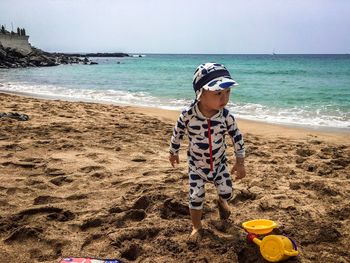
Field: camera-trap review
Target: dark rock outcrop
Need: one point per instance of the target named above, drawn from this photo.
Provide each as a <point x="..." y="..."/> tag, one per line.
<point x="13" y="58"/>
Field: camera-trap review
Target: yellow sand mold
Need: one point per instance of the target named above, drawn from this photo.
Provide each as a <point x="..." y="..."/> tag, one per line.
<point x="259" y="226"/>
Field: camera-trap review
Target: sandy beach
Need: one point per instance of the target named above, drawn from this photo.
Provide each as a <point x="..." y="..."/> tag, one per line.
<point x="87" y="179"/>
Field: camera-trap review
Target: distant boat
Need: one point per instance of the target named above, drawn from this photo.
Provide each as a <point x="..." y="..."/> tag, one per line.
<point x="138" y="56"/>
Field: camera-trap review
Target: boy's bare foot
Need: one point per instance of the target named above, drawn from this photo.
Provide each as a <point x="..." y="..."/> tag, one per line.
<point x="224" y="210"/>
<point x="196" y="236"/>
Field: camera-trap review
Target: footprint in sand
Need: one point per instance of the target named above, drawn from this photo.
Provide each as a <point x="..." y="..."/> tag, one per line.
<point x="39" y="143"/>
<point x="150" y="173"/>
<point x="77" y="197"/>
<point x="33" y="160"/>
<point x="132" y="233"/>
<point x="142" y="203"/>
<point x="139" y="159"/>
<point x="132" y="252"/>
<point x="54" y="172"/>
<point x="61" y="217"/>
<point x="13" y="147"/>
<point x="92" y="240"/>
<point x="91" y="223"/>
<point x="58" y="181"/>
<point x="92" y="168"/>
<point x="39" y="210"/>
<point x="173" y="209"/>
<point x="37" y="184"/>
<point x="46" y="199"/>
<point x="342" y="213"/>
<point x="93" y="155"/>
<point x="134" y="215"/>
<point x="15" y="164"/>
<point x="340" y="163"/>
<point x="115" y="209"/>
<point x="11" y="190"/>
<point x="101" y="175"/>
<point x="24" y="233"/>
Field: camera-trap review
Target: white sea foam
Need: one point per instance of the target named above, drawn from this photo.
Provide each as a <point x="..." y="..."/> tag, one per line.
<point x="304" y="117"/>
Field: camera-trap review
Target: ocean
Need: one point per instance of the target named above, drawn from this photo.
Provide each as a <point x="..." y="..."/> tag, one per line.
<point x="311" y="91"/>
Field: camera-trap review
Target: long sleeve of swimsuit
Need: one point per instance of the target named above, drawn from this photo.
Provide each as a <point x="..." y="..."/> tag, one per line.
<point x="178" y="134"/>
<point x="236" y="136"/>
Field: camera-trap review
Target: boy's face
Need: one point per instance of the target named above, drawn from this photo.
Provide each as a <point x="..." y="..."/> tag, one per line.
<point x="215" y="100"/>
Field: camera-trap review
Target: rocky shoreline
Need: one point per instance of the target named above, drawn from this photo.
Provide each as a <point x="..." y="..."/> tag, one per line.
<point x="12" y="58"/>
<point x="17" y="52"/>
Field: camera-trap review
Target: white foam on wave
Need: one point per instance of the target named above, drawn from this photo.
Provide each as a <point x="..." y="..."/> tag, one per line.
<point x="304" y="117"/>
<point x="91" y="95"/>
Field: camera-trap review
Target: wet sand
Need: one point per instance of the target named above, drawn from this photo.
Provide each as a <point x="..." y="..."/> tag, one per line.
<point x="86" y="179"/>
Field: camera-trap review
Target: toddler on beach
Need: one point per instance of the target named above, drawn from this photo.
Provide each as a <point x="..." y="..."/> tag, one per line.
<point x="206" y="121"/>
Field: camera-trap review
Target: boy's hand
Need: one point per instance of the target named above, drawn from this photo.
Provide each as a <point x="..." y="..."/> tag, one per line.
<point x="239" y="168"/>
<point x="174" y="159"/>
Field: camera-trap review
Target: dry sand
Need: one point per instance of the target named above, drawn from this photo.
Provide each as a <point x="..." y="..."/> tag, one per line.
<point x="85" y="179"/>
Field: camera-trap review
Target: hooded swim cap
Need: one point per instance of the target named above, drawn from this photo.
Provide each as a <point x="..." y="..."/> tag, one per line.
<point x="211" y="76"/>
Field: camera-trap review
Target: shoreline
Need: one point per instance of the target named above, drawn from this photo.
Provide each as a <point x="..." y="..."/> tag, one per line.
<point x="268" y="127"/>
<point x="258" y="128"/>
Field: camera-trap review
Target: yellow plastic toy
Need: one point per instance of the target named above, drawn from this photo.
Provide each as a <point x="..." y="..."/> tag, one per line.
<point x="273" y="248"/>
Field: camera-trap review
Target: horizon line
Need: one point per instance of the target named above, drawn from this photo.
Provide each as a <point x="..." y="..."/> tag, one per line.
<point x="166" y="53"/>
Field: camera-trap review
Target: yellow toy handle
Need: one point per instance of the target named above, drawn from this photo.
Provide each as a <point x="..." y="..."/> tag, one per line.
<point x="291" y="253"/>
<point x="257" y="241"/>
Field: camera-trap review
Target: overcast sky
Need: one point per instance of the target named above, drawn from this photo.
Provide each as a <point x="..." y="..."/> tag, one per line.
<point x="183" y="26"/>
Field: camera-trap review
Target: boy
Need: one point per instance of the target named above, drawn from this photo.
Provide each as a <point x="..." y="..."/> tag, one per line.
<point x="206" y="121"/>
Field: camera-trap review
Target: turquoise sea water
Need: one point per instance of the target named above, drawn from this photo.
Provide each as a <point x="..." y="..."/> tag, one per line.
<point x="302" y="90"/>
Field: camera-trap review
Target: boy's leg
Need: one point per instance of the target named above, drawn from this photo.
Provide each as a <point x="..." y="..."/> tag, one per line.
<point x="196" y="216"/>
<point x="224" y="188"/>
<point x="197" y="231"/>
<point x="224" y="209"/>
<point x="196" y="196"/>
